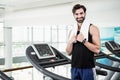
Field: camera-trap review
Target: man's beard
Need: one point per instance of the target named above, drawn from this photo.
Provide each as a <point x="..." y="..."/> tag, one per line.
<point x="81" y="20"/>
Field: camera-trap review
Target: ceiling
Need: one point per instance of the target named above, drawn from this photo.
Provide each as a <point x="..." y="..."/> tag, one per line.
<point x="16" y="5"/>
<point x="25" y="4"/>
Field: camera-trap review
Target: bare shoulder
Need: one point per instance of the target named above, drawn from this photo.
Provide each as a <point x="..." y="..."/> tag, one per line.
<point x="94" y="29"/>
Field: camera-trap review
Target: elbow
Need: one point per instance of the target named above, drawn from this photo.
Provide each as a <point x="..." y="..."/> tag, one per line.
<point x="97" y="51"/>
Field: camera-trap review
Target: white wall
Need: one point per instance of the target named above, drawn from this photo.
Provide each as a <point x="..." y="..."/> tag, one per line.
<point x="104" y="12"/>
<point x="101" y="13"/>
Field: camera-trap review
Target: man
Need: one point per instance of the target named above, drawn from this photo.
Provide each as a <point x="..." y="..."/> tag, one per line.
<point x="82" y="50"/>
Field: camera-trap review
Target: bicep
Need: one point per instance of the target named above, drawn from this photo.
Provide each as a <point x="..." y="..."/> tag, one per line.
<point x="95" y="36"/>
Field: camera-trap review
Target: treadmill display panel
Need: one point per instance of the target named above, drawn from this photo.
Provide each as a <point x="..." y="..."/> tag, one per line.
<point x="43" y="51"/>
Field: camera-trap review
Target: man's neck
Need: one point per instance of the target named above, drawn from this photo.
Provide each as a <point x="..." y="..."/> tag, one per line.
<point x="79" y="25"/>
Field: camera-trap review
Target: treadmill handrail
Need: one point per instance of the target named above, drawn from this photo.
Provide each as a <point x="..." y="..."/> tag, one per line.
<point x="108" y="67"/>
<point x="108" y="56"/>
<point x="101" y="72"/>
<point x="51" y="62"/>
<point x="4" y="76"/>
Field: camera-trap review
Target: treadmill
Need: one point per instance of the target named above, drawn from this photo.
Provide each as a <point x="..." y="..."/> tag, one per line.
<point x="114" y="69"/>
<point x="114" y="48"/>
<point x="43" y="56"/>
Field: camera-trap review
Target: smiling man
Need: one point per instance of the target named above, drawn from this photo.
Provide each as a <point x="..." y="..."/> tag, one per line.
<point x="81" y="47"/>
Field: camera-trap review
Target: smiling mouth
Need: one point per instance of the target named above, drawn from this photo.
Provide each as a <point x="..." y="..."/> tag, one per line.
<point x="80" y="18"/>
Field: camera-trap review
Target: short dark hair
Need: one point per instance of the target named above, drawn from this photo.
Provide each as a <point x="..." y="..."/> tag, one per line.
<point x="78" y="6"/>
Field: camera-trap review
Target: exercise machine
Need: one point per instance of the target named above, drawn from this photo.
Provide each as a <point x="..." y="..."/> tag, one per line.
<point x="43" y="56"/>
<point x="113" y="56"/>
<point x="114" y="48"/>
<point x="111" y="69"/>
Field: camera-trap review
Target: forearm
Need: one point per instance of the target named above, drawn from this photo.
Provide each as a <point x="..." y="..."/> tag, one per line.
<point x="92" y="47"/>
<point x="69" y="48"/>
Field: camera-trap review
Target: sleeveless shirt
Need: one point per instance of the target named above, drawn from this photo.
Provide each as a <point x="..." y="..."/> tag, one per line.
<point x="82" y="57"/>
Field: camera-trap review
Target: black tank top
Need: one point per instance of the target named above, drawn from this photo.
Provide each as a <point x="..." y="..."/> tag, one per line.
<point x="82" y="57"/>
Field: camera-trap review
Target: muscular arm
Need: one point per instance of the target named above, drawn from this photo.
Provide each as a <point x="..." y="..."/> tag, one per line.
<point x="70" y="44"/>
<point x="95" y="46"/>
<point x="69" y="48"/>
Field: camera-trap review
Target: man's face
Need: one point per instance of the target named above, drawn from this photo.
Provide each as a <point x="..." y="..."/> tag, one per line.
<point x="79" y="15"/>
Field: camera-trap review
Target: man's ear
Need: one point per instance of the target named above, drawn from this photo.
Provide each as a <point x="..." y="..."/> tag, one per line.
<point x="85" y="13"/>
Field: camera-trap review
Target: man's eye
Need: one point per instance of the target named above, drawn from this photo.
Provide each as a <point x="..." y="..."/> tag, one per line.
<point x="76" y="14"/>
<point x="81" y="13"/>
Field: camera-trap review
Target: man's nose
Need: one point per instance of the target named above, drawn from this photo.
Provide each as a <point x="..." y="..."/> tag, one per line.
<point x="80" y="15"/>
